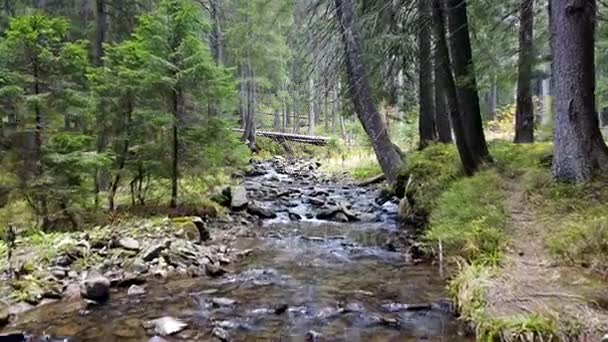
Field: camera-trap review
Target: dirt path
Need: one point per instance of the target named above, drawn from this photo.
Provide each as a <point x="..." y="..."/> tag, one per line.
<point x="531" y="284"/>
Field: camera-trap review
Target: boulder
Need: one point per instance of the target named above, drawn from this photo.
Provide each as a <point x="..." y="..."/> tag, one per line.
<point x="95" y="287"/>
<point x="341" y="217"/>
<point x="260" y="211"/>
<point x="238" y="198"/>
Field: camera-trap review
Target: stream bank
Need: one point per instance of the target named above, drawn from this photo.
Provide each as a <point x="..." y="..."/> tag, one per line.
<point x="300" y="256"/>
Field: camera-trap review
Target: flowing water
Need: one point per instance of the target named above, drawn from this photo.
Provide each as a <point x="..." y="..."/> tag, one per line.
<point x="307" y="280"/>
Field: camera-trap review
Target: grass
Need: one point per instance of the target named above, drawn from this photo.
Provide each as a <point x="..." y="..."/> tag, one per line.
<point x="469" y="218"/>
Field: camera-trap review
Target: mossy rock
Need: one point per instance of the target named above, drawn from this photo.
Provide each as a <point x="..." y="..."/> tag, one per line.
<point x="186" y="227"/>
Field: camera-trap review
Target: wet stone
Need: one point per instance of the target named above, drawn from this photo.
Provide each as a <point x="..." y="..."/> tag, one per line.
<point x="166" y="326"/>
<point x="221" y="334"/>
<point x="129" y="244"/>
<point x="136" y="290"/>
<point x="95" y="287"/>
<point x="4" y="316"/>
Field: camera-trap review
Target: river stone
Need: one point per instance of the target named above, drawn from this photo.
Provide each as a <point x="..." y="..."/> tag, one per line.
<point x="222" y="302"/>
<point x="203" y="232"/>
<point x="129" y="244"/>
<point x="238" y="198"/>
<point x="4" y="316"/>
<point x="261" y="212"/>
<point x="157" y="339"/>
<point x="221" y="334"/>
<point x="341" y="217"/>
<point x="605" y="338"/>
<point x="13" y="337"/>
<point x="136" y="290"/>
<point x="152" y="252"/>
<point x="167" y="326"/>
<point x="19" y="308"/>
<point x="95" y="287"/>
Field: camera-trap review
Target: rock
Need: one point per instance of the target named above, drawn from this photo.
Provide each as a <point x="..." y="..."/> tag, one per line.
<point x="157" y="339"/>
<point x="260" y="211"/>
<point x="294" y="216"/>
<point x="129" y="279"/>
<point x="5" y="317"/>
<point x="19" y="308"/>
<point x="313" y="336"/>
<point x="203" y="232"/>
<point x="139" y="266"/>
<point x="95" y="287"/>
<point x="328" y="214"/>
<point x="71" y="291"/>
<point x="341" y="217"/>
<point x="152" y="252"/>
<point x="214" y="270"/>
<point x="167" y="326"/>
<point x="605" y="338"/>
<point x="129" y="244"/>
<point x="59" y="272"/>
<point x="222" y="302"/>
<point x="238" y="198"/>
<point x="136" y="290"/>
<point x="281" y="309"/>
<point x="221" y="334"/>
<point x="316" y="202"/>
<point x="13" y="337"/>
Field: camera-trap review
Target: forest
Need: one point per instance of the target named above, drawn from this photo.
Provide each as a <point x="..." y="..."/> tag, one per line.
<point x="228" y="170"/>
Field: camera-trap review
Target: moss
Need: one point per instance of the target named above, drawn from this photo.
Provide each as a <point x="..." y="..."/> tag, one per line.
<point x="470" y="218"/>
<point x="431" y="171"/>
<point x="366" y="170"/>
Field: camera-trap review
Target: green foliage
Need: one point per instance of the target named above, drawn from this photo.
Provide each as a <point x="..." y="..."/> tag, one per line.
<point x="470" y="217"/>
<point x="520" y="158"/>
<point x="366" y="170"/>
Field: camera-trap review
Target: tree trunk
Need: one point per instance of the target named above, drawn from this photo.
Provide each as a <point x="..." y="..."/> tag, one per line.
<point x="470" y="165"/>
<point x="176" y="108"/>
<point x="493" y="101"/>
<point x="122" y="158"/>
<point x="217" y="34"/>
<point x="311" y="107"/>
<point x="464" y="72"/>
<point x="524" y="114"/>
<point x="442" y="116"/>
<point x="249" y="136"/>
<point x="426" y="122"/>
<point x="101" y="28"/>
<point x="580" y="151"/>
<point x="388" y="155"/>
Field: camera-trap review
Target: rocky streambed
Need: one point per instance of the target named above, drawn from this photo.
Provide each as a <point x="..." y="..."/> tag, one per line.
<point x="300" y="257"/>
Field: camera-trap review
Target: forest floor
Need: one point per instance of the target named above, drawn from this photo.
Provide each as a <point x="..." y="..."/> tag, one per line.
<point x="531" y="283"/>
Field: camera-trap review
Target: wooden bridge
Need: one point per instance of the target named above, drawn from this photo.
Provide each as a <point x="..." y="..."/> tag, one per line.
<point x="303" y="139"/>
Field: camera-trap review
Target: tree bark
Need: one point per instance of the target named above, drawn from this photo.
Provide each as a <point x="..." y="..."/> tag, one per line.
<point x="176" y="108"/>
<point x="311" y="107"/>
<point x="524" y="114"/>
<point x="464" y="71"/>
<point x="470" y="164"/>
<point x="217" y="34"/>
<point x="442" y="117"/>
<point x="580" y="151"/>
<point x="101" y="29"/>
<point x="387" y="153"/>
<point x="426" y="122"/>
<point x="122" y="158"/>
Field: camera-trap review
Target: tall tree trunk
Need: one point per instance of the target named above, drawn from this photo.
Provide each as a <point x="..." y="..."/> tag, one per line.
<point x="122" y="158"/>
<point x="524" y="114"/>
<point x="243" y="97"/>
<point x="580" y="151"/>
<point x="470" y="165"/>
<point x="388" y="154"/>
<point x="462" y="64"/>
<point x="217" y="34"/>
<point x="493" y="99"/>
<point x="277" y="120"/>
<point x="249" y="135"/>
<point x="311" y="107"/>
<point x="426" y="122"/>
<point x="101" y="29"/>
<point x="176" y="108"/>
<point x="442" y="116"/>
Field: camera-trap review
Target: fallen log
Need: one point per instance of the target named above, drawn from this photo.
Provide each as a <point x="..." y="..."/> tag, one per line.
<point x="303" y="139"/>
